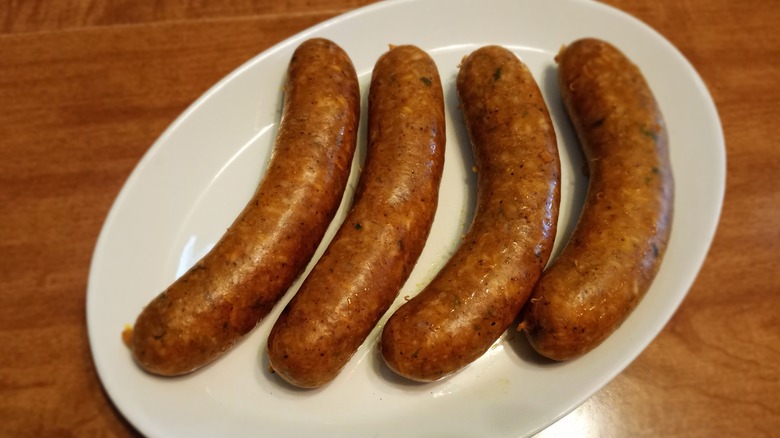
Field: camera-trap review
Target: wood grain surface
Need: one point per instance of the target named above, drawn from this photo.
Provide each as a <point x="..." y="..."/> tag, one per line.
<point x="86" y="86"/>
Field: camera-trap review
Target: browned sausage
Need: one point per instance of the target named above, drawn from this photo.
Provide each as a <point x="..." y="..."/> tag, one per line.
<point x="374" y="251"/>
<point x="478" y="293"/>
<point x="225" y="294"/>
<point x="621" y="236"/>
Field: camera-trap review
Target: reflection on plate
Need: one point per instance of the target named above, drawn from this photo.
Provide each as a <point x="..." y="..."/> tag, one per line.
<point x="186" y="191"/>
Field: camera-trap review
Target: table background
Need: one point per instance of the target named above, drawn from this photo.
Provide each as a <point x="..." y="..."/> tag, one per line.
<point x="86" y="86"/>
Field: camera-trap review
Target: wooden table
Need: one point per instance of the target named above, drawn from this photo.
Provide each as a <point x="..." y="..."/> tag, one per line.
<point x="86" y="86"/>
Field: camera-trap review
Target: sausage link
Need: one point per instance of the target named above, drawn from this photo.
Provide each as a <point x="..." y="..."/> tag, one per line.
<point x="225" y="294"/>
<point x="370" y="258"/>
<point x="621" y="236"/>
<point x="478" y="293"/>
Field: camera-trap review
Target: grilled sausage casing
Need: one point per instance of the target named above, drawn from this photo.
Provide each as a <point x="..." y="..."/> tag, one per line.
<point x="616" y="248"/>
<point x="370" y="258"/>
<point x="225" y="294"/>
<point x="478" y="293"/>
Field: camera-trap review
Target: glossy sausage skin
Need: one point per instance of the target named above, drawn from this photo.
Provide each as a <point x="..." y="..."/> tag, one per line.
<point x="374" y="251"/>
<point x="478" y="293"/>
<point x="225" y="294"/>
<point x="621" y="236"/>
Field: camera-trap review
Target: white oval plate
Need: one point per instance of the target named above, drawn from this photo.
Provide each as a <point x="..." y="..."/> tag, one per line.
<point x="196" y="178"/>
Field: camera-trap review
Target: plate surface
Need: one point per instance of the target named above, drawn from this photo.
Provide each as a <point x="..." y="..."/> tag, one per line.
<point x="196" y="178"/>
